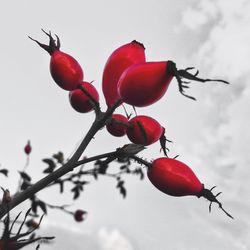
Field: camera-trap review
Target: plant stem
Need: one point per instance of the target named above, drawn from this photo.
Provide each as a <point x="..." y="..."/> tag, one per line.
<point x="67" y="167"/>
<point x="141" y="161"/>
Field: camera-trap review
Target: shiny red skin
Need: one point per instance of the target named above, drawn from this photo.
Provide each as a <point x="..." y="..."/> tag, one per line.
<point x="117" y="129"/>
<point x="152" y="128"/>
<point x="119" y="60"/>
<point x="174" y="178"/>
<point x="144" y="84"/>
<point x="65" y="70"/>
<point x="79" y="101"/>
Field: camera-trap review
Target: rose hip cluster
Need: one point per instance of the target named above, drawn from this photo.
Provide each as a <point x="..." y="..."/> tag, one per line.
<point x="68" y="74"/>
<point x="129" y="78"/>
<point x="83" y="96"/>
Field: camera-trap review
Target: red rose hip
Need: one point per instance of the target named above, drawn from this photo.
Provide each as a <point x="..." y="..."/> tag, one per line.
<point x="115" y="127"/>
<point x="80" y="101"/>
<point x="144" y="130"/>
<point x="174" y="177"/>
<point x="145" y="83"/>
<point x="118" y="61"/>
<point x="64" y="69"/>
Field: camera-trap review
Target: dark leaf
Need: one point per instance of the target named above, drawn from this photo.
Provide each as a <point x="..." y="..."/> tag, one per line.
<point x="61" y="184"/>
<point x="76" y="192"/>
<point x="34" y="207"/>
<point x="102" y="167"/>
<point x="25" y="185"/>
<point x="51" y="166"/>
<point x="120" y="186"/>
<point x="139" y="172"/>
<point x="123" y="191"/>
<point x="95" y="174"/>
<point x="43" y="206"/>
<point x="122" y="167"/>
<point x="4" y="172"/>
<point x="59" y="157"/>
<point x="80" y="183"/>
<point x="25" y="176"/>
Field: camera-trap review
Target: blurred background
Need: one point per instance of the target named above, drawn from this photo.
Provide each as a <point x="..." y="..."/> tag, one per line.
<point x="211" y="135"/>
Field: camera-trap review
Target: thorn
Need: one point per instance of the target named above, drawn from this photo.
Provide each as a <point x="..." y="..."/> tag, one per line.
<point x="188" y="68"/>
<point x="210" y="207"/>
<point x="213" y="188"/>
<point x="197" y="73"/>
<point x="218" y="194"/>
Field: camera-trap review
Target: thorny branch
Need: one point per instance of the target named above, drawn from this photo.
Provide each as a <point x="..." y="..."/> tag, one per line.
<point x="98" y="123"/>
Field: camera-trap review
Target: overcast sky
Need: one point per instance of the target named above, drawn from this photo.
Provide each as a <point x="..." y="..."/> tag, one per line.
<point x="211" y="135"/>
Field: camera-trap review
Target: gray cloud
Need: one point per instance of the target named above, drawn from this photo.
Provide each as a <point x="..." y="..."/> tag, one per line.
<point x="226" y="139"/>
<point x="71" y="237"/>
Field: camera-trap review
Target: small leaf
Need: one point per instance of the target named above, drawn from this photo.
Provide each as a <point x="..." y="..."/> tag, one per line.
<point x="122" y="167"/>
<point x="76" y="192"/>
<point x="4" y="172"/>
<point x="51" y="166"/>
<point x="139" y="171"/>
<point x="95" y="174"/>
<point x="59" y="157"/>
<point x="34" y="207"/>
<point x="43" y="206"/>
<point x="120" y="186"/>
<point x="61" y="184"/>
<point x="25" y="185"/>
<point x="25" y="176"/>
<point x="102" y="167"/>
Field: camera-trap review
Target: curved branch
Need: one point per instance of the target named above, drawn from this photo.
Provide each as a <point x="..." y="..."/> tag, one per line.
<point x="18" y="198"/>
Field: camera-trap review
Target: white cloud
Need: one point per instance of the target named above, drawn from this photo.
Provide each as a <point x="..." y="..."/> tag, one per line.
<point x="227" y="46"/>
<point x="225" y="142"/>
<point x="113" y="240"/>
<point x="195" y="17"/>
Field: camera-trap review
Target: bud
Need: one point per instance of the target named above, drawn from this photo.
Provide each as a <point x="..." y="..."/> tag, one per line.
<point x="79" y="215"/>
<point x="32" y="224"/>
<point x="27" y="148"/>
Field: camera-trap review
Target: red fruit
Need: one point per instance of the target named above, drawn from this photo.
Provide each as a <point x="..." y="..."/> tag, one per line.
<point x="174" y="177"/>
<point x="64" y="69"/>
<point x="144" y="130"/>
<point x="145" y="83"/>
<point x="117" y="129"/>
<point x="27" y="148"/>
<point x="119" y="60"/>
<point x="78" y="215"/>
<point x="79" y="101"/>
